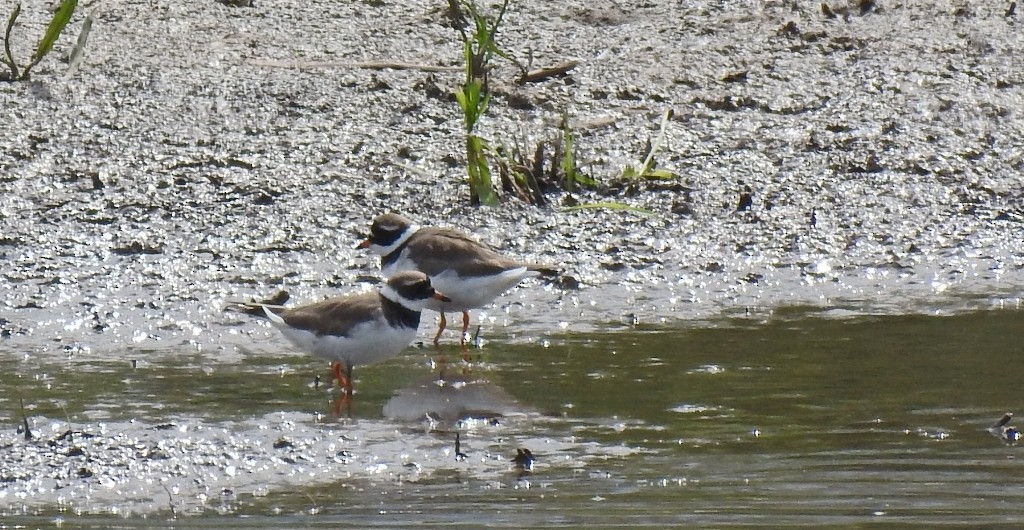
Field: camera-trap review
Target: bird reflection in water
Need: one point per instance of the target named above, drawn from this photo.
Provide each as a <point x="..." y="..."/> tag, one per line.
<point x="452" y="401"/>
<point x="445" y="401"/>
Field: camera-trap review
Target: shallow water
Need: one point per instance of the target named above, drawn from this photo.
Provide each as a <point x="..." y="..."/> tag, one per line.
<point x="793" y="419"/>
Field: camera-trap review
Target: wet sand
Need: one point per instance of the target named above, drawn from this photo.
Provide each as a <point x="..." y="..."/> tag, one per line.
<point x="203" y="153"/>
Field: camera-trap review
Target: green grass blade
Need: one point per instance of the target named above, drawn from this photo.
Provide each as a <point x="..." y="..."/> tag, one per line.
<point x="481" y="187"/>
<point x="648" y="163"/>
<point x="57" y="24"/>
<point x="463" y="100"/>
<point x="78" y="52"/>
<point x="630" y="173"/>
<point x="568" y="159"/>
<point x="659" y="174"/>
<point x="473" y="98"/>
<point x="618" y="206"/>
<point x="9" y="60"/>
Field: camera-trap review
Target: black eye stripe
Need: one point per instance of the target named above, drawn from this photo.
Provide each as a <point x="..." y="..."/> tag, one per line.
<point x="384" y="235"/>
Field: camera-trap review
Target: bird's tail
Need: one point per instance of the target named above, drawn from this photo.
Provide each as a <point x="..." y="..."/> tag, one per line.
<point x="259" y="309"/>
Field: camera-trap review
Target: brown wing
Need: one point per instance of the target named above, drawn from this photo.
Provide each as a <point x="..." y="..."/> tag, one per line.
<point x="439" y="249"/>
<point x="335" y="316"/>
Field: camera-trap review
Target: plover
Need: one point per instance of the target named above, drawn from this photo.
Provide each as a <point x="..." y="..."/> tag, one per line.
<point x="356" y="329"/>
<point x="468" y="272"/>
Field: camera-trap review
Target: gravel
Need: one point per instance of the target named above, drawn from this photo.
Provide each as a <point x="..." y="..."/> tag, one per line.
<point x="204" y="152"/>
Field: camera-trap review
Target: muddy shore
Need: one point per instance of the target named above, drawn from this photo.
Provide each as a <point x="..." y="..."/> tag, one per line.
<point x="175" y="169"/>
<point x="204" y="152"/>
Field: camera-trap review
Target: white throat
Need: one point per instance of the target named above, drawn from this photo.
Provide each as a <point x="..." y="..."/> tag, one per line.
<point x="388" y="292"/>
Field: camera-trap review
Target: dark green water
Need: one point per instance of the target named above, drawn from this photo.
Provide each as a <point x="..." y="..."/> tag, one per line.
<point x="794" y="421"/>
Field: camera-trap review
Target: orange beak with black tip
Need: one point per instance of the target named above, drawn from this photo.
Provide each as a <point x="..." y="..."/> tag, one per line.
<point x="441" y="297"/>
<point x="364" y="244"/>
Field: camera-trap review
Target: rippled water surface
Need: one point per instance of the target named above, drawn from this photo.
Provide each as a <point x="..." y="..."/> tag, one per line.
<point x="791" y="420"/>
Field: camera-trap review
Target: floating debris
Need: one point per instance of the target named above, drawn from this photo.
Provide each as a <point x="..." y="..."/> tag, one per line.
<point x="459" y="455"/>
<point x="524" y="460"/>
<point x="1005" y="432"/>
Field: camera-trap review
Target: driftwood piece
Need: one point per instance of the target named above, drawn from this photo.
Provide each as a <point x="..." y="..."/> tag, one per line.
<point x="533" y="76"/>
<point x="542" y="74"/>
<point x="371" y="65"/>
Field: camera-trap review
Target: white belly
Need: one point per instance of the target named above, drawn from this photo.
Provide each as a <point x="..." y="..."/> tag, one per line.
<point x="465" y="292"/>
<point x="367" y="343"/>
<point x="474" y="291"/>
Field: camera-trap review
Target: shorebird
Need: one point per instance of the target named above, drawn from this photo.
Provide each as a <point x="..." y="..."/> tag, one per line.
<point x="468" y="272"/>
<point x="356" y="329"/>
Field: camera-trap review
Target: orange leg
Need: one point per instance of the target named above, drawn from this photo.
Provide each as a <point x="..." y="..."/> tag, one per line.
<point x="440" y="329"/>
<point x="342" y="403"/>
<point x="336" y="372"/>
<point x="344" y="380"/>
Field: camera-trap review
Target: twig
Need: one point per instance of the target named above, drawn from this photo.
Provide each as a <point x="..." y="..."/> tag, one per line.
<point x="9" y="60"/>
<point x="371" y="65"/>
<point x="542" y="74"/>
<point x="596" y="123"/>
<point x="459" y="455"/>
<point x="170" y="501"/>
<point x="66" y="415"/>
<point x="24" y="419"/>
<point x="316" y="507"/>
<point x="411" y="169"/>
<point x="476" y="336"/>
